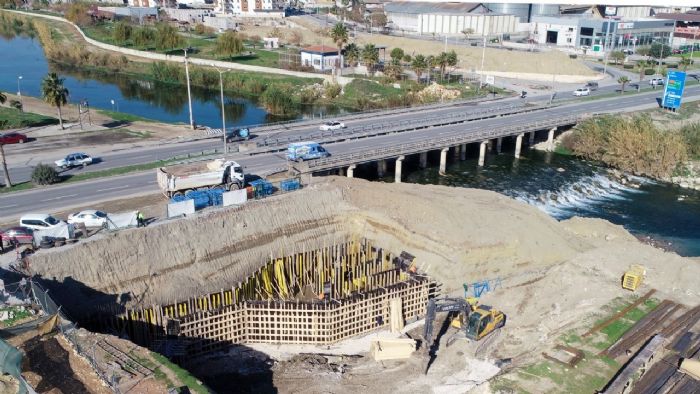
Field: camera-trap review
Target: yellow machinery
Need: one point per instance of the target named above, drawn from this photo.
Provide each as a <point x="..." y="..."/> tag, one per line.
<point x="633" y="277"/>
<point x="482" y="321"/>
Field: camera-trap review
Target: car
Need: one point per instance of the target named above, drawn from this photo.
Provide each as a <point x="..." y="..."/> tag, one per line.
<point x="656" y="81"/>
<point x="582" y="92"/>
<point x="12" y="138"/>
<point x="91" y="218"/>
<point x="74" y="160"/>
<point x="333" y="125"/>
<point x="39" y="221"/>
<point x="23" y="235"/>
<point x="592" y="85"/>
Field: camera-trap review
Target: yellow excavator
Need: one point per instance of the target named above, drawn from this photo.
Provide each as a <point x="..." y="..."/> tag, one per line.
<point x="476" y="321"/>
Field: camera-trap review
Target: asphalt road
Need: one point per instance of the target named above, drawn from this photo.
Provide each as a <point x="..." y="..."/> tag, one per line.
<point x="83" y="193"/>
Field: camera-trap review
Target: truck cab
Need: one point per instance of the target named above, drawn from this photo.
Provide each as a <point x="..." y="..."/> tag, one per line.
<point x="300" y="151"/>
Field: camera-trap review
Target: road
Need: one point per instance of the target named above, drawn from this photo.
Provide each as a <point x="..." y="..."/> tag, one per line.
<point x="84" y="193"/>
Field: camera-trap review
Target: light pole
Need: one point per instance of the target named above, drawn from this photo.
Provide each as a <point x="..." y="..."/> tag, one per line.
<point x="19" y="93"/>
<point x="112" y="101"/>
<point x="605" y="45"/>
<point x="223" y="113"/>
<point x="483" y="56"/>
<point x="189" y="94"/>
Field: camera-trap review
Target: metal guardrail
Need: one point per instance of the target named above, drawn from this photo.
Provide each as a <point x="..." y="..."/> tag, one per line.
<point x="342" y="160"/>
<point x="329" y="136"/>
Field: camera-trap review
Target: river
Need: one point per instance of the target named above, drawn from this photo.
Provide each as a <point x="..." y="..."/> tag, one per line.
<point x="23" y="56"/>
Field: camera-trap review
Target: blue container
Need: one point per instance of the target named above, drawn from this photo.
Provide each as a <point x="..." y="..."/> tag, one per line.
<point x="289" y="184"/>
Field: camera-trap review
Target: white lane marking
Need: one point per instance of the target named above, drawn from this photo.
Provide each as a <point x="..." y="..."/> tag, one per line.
<point x="152" y="182"/>
<point x="59" y="197"/>
<point x="141" y="157"/>
<point x="8" y="206"/>
<point x="113" y="188"/>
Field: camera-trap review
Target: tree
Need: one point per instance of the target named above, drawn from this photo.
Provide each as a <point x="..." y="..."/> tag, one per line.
<point x="617" y="56"/>
<point x="78" y="13"/>
<point x="407" y="58"/>
<point x="685" y="63"/>
<point x="659" y="51"/>
<point x="352" y="54"/>
<point x="167" y="37"/>
<point x="419" y="65"/>
<point x="642" y="66"/>
<point x="16" y="104"/>
<point x="378" y="19"/>
<point x="467" y="32"/>
<point x="396" y="55"/>
<point x="54" y="93"/>
<point x="643" y="52"/>
<point x="623" y="80"/>
<point x="121" y="32"/>
<point x="452" y="60"/>
<point x="370" y="57"/>
<point x="44" y="174"/>
<point x="441" y="61"/>
<point x="254" y="40"/>
<point x="339" y="35"/>
<point x="8" y="182"/>
<point x="393" y="70"/>
<point x="229" y="44"/>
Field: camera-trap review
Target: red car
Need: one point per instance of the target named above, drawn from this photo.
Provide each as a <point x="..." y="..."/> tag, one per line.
<point x="22" y="235"/>
<point x="12" y="138"/>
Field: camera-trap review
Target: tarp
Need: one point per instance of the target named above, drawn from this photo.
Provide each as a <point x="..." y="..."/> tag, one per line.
<point x="63" y="230"/>
<point x="116" y="221"/>
<point x="11" y="363"/>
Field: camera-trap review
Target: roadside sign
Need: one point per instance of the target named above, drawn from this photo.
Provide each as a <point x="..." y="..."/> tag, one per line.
<point x="596" y="48"/>
<point x="490" y="79"/>
<point x="610" y="11"/>
<point x="673" y="92"/>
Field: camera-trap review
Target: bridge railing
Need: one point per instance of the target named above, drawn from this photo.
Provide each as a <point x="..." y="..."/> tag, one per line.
<point x="369" y="155"/>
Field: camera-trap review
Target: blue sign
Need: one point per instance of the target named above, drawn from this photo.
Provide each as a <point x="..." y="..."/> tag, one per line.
<point x="673" y="92"/>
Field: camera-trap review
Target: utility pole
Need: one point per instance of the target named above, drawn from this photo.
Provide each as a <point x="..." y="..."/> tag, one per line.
<point x="605" y="46"/>
<point x="189" y="94"/>
<point x="223" y="112"/>
<point x="483" y="56"/>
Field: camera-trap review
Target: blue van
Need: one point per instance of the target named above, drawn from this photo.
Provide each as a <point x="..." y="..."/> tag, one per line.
<point x="300" y="151"/>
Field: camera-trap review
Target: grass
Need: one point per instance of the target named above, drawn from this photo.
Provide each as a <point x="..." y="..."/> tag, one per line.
<point x="11" y="118"/>
<point x="185" y="377"/>
<point x="124" y="117"/>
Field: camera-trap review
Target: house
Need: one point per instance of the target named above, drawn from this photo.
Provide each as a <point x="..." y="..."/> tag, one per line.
<point x="320" y="57"/>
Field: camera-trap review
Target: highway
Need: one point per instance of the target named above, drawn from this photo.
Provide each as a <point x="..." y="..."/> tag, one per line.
<point x="83" y="193"/>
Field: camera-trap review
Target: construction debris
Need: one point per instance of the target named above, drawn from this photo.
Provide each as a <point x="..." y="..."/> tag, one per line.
<point x="691" y="368"/>
<point x="392" y="349"/>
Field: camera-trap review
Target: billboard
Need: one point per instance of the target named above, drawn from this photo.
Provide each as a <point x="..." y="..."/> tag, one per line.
<point x="673" y="92"/>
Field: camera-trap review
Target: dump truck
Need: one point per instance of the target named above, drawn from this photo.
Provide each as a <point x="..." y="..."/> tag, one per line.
<point x="184" y="178"/>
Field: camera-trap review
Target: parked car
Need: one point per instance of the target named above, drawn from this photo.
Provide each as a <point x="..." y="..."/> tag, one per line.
<point x="592" y="85"/>
<point x="656" y="81"/>
<point x="582" y="92"/>
<point x="39" y="221"/>
<point x="74" y="160"/>
<point x="333" y="125"/>
<point x="12" y="138"/>
<point x="23" y="235"/>
<point x="91" y="218"/>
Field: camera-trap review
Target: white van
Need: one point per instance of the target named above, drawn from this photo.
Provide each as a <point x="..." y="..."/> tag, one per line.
<point x="39" y="221"/>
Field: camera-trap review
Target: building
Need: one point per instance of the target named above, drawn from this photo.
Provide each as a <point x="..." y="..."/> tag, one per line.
<point x="447" y="18"/>
<point x="250" y="8"/>
<point x="320" y="57"/>
<point x="687" y="29"/>
<point x="560" y="31"/>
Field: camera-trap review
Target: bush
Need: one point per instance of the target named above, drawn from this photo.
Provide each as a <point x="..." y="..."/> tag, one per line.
<point x="278" y="101"/>
<point x="332" y="90"/>
<point x="628" y="66"/>
<point x="691" y="134"/>
<point x="649" y="71"/>
<point x="573" y="56"/>
<point x="44" y="175"/>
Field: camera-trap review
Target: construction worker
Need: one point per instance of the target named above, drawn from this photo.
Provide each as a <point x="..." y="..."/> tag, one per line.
<point x="140" y="220"/>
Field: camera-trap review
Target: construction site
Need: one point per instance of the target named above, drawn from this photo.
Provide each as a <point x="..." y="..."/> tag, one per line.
<point x="347" y="285"/>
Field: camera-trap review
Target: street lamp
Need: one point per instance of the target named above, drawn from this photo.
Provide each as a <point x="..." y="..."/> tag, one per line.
<point x="19" y="93"/>
<point x="112" y="101"/>
<point x="189" y="94"/>
<point x="223" y="113"/>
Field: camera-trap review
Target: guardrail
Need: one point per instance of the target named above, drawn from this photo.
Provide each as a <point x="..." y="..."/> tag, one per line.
<point x="342" y="160"/>
<point x="329" y="136"/>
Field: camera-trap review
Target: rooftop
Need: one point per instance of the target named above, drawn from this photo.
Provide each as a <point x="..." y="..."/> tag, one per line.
<point x="685" y="17"/>
<point x="320" y="49"/>
<point x="417" y="7"/>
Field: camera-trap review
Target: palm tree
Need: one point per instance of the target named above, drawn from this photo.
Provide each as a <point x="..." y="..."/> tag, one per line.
<point x="441" y="61"/>
<point x="685" y="63"/>
<point x="642" y="65"/>
<point x="370" y="57"/>
<point x="352" y="54"/>
<point x="623" y="80"/>
<point x="54" y="93"/>
<point x="339" y="34"/>
<point x="419" y="65"/>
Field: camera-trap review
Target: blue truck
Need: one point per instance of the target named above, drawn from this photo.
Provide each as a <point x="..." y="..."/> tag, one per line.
<point x="300" y="151"/>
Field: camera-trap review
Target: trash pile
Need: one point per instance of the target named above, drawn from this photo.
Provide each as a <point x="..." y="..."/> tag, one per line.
<point x="438" y="92"/>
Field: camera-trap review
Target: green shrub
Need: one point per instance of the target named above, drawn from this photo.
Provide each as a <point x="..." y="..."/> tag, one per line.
<point x="628" y="66"/>
<point x="44" y="174"/>
<point x="649" y="71"/>
<point x="278" y="100"/>
<point x="166" y="72"/>
<point x="332" y="90"/>
<point x="691" y="134"/>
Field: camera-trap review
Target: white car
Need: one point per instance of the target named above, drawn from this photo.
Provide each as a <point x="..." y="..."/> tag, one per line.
<point x="91" y="218"/>
<point x="332" y="126"/>
<point x="39" y="221"/>
<point x="74" y="160"/>
<point x="656" y="81"/>
<point x="582" y="92"/>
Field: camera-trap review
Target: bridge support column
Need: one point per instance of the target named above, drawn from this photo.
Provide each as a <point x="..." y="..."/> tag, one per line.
<point x="443" y="161"/>
<point x="341" y="171"/>
<point x="455" y="152"/>
<point x="532" y="138"/>
<point x="397" y="172"/>
<point x="518" y="145"/>
<point x="463" y="152"/>
<point x="499" y="143"/>
<point x="351" y="171"/>
<point x="550" y="139"/>
<point x="423" y="159"/>
<point x="482" y="152"/>
<point x="381" y="168"/>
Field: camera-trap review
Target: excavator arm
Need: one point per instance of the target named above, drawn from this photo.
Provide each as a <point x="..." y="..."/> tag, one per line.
<point x="436" y="305"/>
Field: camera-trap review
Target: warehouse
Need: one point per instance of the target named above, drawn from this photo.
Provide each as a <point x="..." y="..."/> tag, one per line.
<point x="448" y="18"/>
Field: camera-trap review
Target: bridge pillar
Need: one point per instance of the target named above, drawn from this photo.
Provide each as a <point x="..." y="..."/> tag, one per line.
<point x="455" y="152"/>
<point x="550" y="139"/>
<point x="482" y="152"/>
<point x="341" y="171"/>
<point x="381" y="168"/>
<point x="518" y="145"/>
<point x="443" y="161"/>
<point x="351" y="171"/>
<point x="499" y="143"/>
<point x="397" y="172"/>
<point x="532" y="138"/>
<point x="423" y="159"/>
<point x="463" y="152"/>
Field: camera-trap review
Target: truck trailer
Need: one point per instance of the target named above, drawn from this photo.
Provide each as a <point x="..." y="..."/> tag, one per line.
<point x="183" y="178"/>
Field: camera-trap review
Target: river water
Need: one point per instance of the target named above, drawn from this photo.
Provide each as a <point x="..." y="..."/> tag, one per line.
<point x="164" y="102"/>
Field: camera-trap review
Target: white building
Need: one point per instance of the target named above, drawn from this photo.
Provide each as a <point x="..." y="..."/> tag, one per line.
<point x="250" y="8"/>
<point x="320" y="57"/>
<point x="448" y="18"/>
<point x="560" y="31"/>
